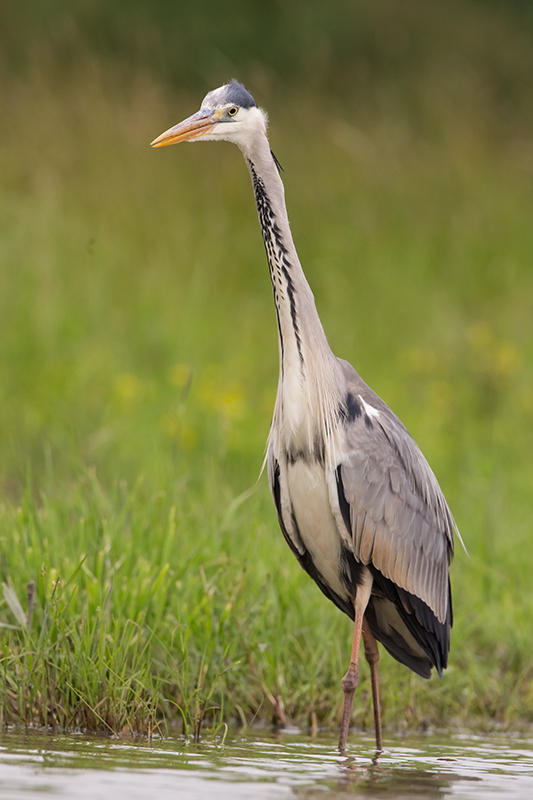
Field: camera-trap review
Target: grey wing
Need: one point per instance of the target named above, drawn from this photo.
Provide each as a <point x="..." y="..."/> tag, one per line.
<point x="395" y="511"/>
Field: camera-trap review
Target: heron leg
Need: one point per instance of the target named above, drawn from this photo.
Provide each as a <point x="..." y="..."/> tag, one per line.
<point x="351" y="679"/>
<point x="372" y="656"/>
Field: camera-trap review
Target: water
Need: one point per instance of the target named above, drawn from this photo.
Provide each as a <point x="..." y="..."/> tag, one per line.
<point x="265" y="766"/>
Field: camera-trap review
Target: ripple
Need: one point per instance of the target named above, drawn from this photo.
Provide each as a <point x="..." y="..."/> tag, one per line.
<point x="285" y="765"/>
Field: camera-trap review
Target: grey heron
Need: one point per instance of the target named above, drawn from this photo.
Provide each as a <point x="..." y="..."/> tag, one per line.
<point x="356" y="500"/>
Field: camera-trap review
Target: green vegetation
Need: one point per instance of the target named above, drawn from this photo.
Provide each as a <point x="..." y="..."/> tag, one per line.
<point x="138" y="364"/>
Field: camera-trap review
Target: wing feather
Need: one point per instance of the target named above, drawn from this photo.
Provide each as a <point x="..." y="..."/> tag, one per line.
<point x="400" y="521"/>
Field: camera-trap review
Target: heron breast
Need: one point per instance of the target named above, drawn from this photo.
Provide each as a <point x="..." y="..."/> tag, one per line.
<point x="308" y="492"/>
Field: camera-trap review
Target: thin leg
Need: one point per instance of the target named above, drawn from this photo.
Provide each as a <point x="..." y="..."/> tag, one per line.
<point x="372" y="656"/>
<point x="350" y="680"/>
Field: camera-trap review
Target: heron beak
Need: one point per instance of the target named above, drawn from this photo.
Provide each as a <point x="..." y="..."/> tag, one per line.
<point x="188" y="130"/>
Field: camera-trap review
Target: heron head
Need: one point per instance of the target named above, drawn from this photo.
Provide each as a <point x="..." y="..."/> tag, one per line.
<point x="228" y="113"/>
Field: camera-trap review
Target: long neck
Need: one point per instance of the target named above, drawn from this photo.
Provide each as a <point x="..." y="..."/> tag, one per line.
<point x="305" y="400"/>
<point x="301" y="335"/>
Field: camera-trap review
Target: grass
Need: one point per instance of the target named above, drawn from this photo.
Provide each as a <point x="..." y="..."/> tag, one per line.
<point x="138" y="364"/>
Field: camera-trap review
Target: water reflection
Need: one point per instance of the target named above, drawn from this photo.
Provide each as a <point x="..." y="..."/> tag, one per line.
<point x="265" y="767"/>
<point x="378" y="780"/>
<point x="397" y="782"/>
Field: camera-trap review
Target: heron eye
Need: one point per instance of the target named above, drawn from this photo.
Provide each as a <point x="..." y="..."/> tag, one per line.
<point x="232" y="111"/>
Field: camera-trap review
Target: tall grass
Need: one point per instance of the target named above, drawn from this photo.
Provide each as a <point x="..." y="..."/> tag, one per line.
<point x="138" y="365"/>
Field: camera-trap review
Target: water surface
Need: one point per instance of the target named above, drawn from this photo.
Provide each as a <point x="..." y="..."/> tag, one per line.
<point x="265" y="766"/>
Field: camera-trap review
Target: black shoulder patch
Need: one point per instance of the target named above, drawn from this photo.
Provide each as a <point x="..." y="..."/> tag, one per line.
<point x="350" y="409"/>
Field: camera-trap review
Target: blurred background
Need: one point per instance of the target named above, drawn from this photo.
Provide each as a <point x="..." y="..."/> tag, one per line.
<point x="138" y="356"/>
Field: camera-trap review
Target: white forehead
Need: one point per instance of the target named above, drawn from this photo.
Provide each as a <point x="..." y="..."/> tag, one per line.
<point x="215" y="98"/>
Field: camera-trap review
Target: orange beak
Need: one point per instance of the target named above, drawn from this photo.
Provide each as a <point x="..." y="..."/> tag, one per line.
<point x="188" y="130"/>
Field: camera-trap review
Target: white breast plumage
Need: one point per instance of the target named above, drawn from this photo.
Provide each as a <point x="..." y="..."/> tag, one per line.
<point x="308" y="492"/>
